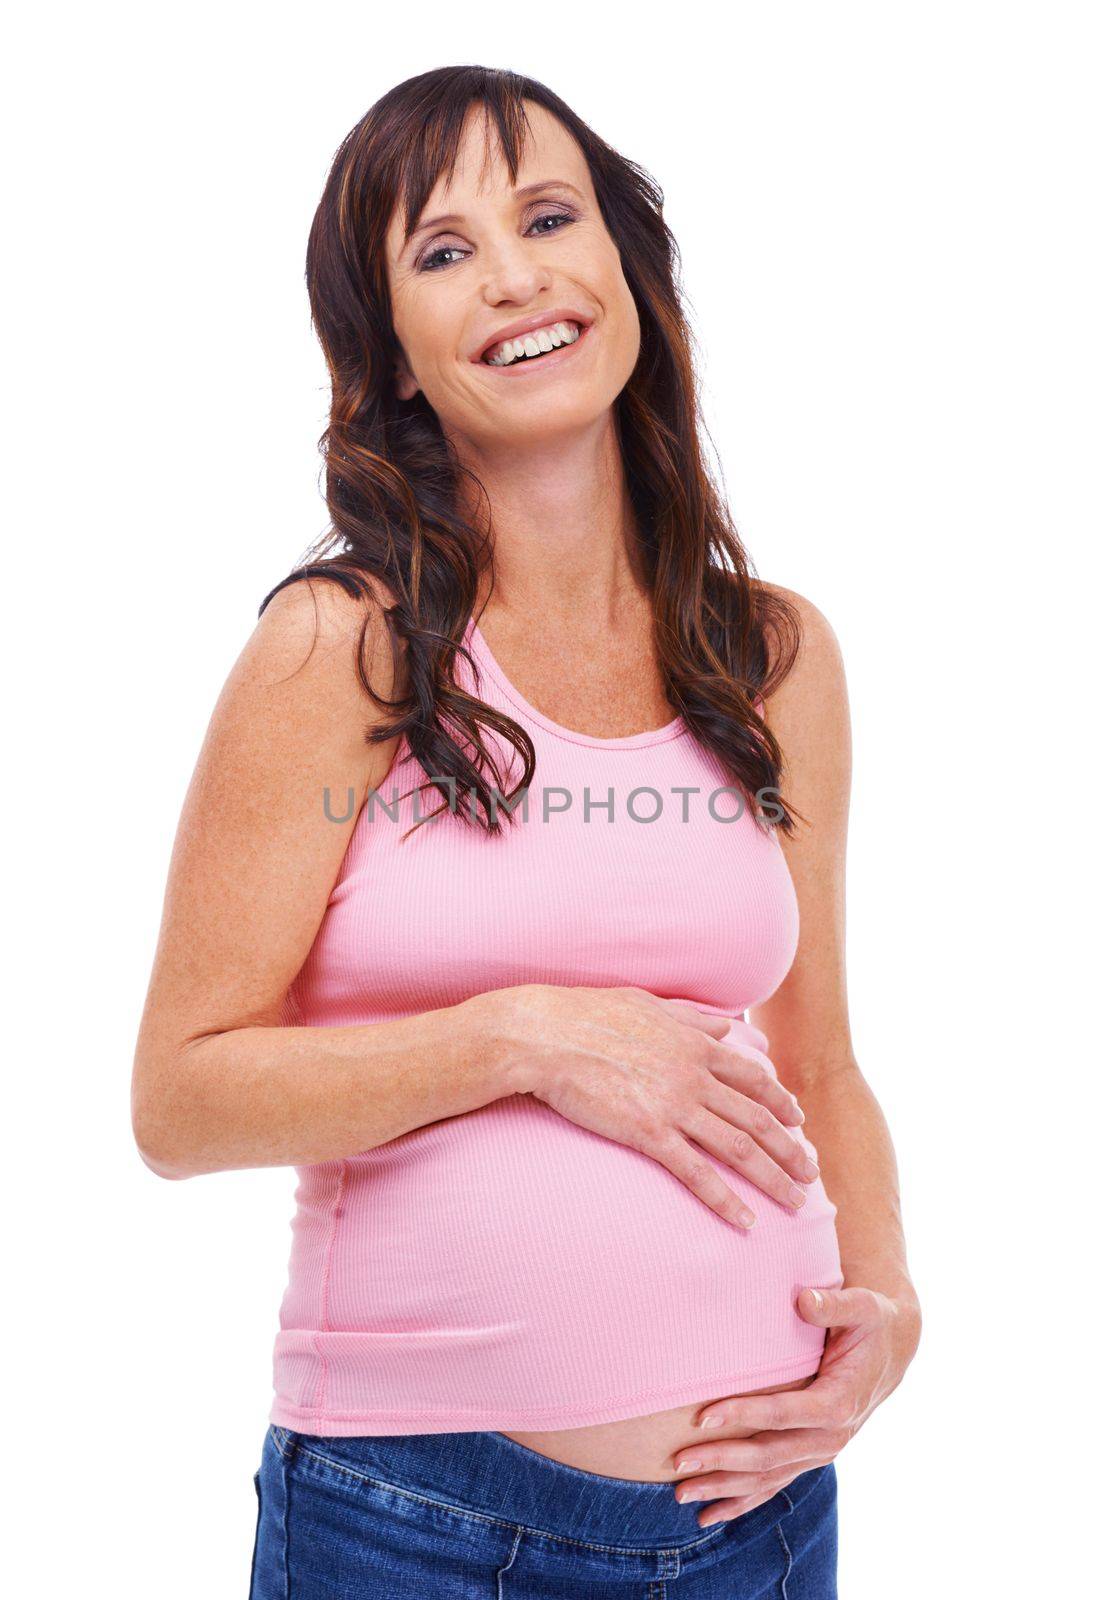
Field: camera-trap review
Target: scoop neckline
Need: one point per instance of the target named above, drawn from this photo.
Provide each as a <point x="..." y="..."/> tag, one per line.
<point x="625" y="741"/>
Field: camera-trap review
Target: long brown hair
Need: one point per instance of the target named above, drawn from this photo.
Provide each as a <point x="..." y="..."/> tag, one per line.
<point x="391" y="476"/>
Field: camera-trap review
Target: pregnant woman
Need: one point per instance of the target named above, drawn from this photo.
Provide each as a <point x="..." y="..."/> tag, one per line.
<point x="523" y="793"/>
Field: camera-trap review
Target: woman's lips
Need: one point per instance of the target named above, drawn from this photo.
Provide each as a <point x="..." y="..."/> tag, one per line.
<point x="532" y="325"/>
<point x="550" y="358"/>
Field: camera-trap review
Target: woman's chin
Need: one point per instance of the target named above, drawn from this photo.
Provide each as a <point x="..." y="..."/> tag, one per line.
<point x="541" y="415"/>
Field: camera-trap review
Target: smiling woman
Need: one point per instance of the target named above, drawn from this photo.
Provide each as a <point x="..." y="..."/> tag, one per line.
<point x="558" y="1206"/>
<point x="492" y="246"/>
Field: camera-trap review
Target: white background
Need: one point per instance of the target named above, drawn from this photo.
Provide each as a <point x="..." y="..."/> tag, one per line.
<point x="886" y="215"/>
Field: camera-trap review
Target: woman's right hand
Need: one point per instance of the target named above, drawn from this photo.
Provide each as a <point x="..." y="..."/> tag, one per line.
<point x="651" y="1073"/>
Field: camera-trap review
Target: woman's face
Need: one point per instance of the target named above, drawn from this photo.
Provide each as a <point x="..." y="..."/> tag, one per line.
<point x="503" y="257"/>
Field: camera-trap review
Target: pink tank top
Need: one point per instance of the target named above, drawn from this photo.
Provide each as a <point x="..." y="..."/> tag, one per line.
<point x="505" y="1268"/>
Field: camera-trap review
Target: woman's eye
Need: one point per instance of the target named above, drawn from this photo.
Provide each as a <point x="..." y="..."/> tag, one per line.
<point x="554" y="216"/>
<point x="434" y="259"/>
<point x="430" y="262"/>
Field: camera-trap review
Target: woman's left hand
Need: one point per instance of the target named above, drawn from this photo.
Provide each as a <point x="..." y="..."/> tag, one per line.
<point x="871" y="1340"/>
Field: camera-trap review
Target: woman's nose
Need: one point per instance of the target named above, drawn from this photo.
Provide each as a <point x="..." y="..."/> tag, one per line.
<point x="512" y="274"/>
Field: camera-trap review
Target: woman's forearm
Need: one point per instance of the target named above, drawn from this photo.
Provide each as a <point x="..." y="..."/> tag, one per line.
<point x="856" y="1155"/>
<point x="274" y="1096"/>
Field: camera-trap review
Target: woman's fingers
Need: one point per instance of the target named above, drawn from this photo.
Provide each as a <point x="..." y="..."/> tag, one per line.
<point x="740" y="1150"/>
<point x="677" y="1155"/>
<point x="812" y="1407"/>
<point x="736" y="1483"/>
<point x="683" y="1010"/>
<point x="770" y="1134"/>
<point x="751" y="1078"/>
<point x="757" y="1456"/>
<point x="740" y="1485"/>
<point x="724" y="1510"/>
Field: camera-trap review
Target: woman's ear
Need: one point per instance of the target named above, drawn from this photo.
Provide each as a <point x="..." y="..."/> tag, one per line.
<point x="404" y="381"/>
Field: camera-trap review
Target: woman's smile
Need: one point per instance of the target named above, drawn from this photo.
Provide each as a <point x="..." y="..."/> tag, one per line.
<point x="544" y="360"/>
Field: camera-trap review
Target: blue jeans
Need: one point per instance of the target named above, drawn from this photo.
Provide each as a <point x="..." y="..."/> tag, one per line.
<point x="476" y="1516"/>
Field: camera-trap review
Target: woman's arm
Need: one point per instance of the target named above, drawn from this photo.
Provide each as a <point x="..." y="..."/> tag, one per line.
<point x="217" y="1081"/>
<point x="806" y="1020"/>
<point x="873" y="1322"/>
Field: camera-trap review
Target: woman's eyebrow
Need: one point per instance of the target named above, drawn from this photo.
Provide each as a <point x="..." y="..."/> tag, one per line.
<point x="527" y="190"/>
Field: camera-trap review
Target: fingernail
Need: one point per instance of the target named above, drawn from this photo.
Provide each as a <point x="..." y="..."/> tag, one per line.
<point x="812" y="1170"/>
<point x="684" y="1495"/>
<point x="798" y="1196"/>
<point x="689" y="1466"/>
<point x="747" y="1220"/>
<point x="713" y="1422"/>
<point x="817" y="1299"/>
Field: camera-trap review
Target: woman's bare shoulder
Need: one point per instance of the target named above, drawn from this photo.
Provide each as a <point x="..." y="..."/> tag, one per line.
<point x="815" y="685"/>
<point x="318" y="610"/>
<point x="815" y="626"/>
<point x="314" y="629"/>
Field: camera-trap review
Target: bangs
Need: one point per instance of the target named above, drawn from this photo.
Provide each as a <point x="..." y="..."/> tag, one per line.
<point x="433" y="149"/>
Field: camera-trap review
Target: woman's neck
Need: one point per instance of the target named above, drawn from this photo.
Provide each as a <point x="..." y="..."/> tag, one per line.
<point x="564" y="533"/>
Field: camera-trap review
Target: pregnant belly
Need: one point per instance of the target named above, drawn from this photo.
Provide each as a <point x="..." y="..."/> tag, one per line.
<point x="639" y="1448"/>
<point x="508" y="1270"/>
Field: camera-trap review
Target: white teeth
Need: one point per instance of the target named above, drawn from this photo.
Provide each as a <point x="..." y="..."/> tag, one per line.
<point x="529" y="345"/>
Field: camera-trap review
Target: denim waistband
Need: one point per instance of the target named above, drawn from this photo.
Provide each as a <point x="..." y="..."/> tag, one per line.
<point x="491" y="1475"/>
